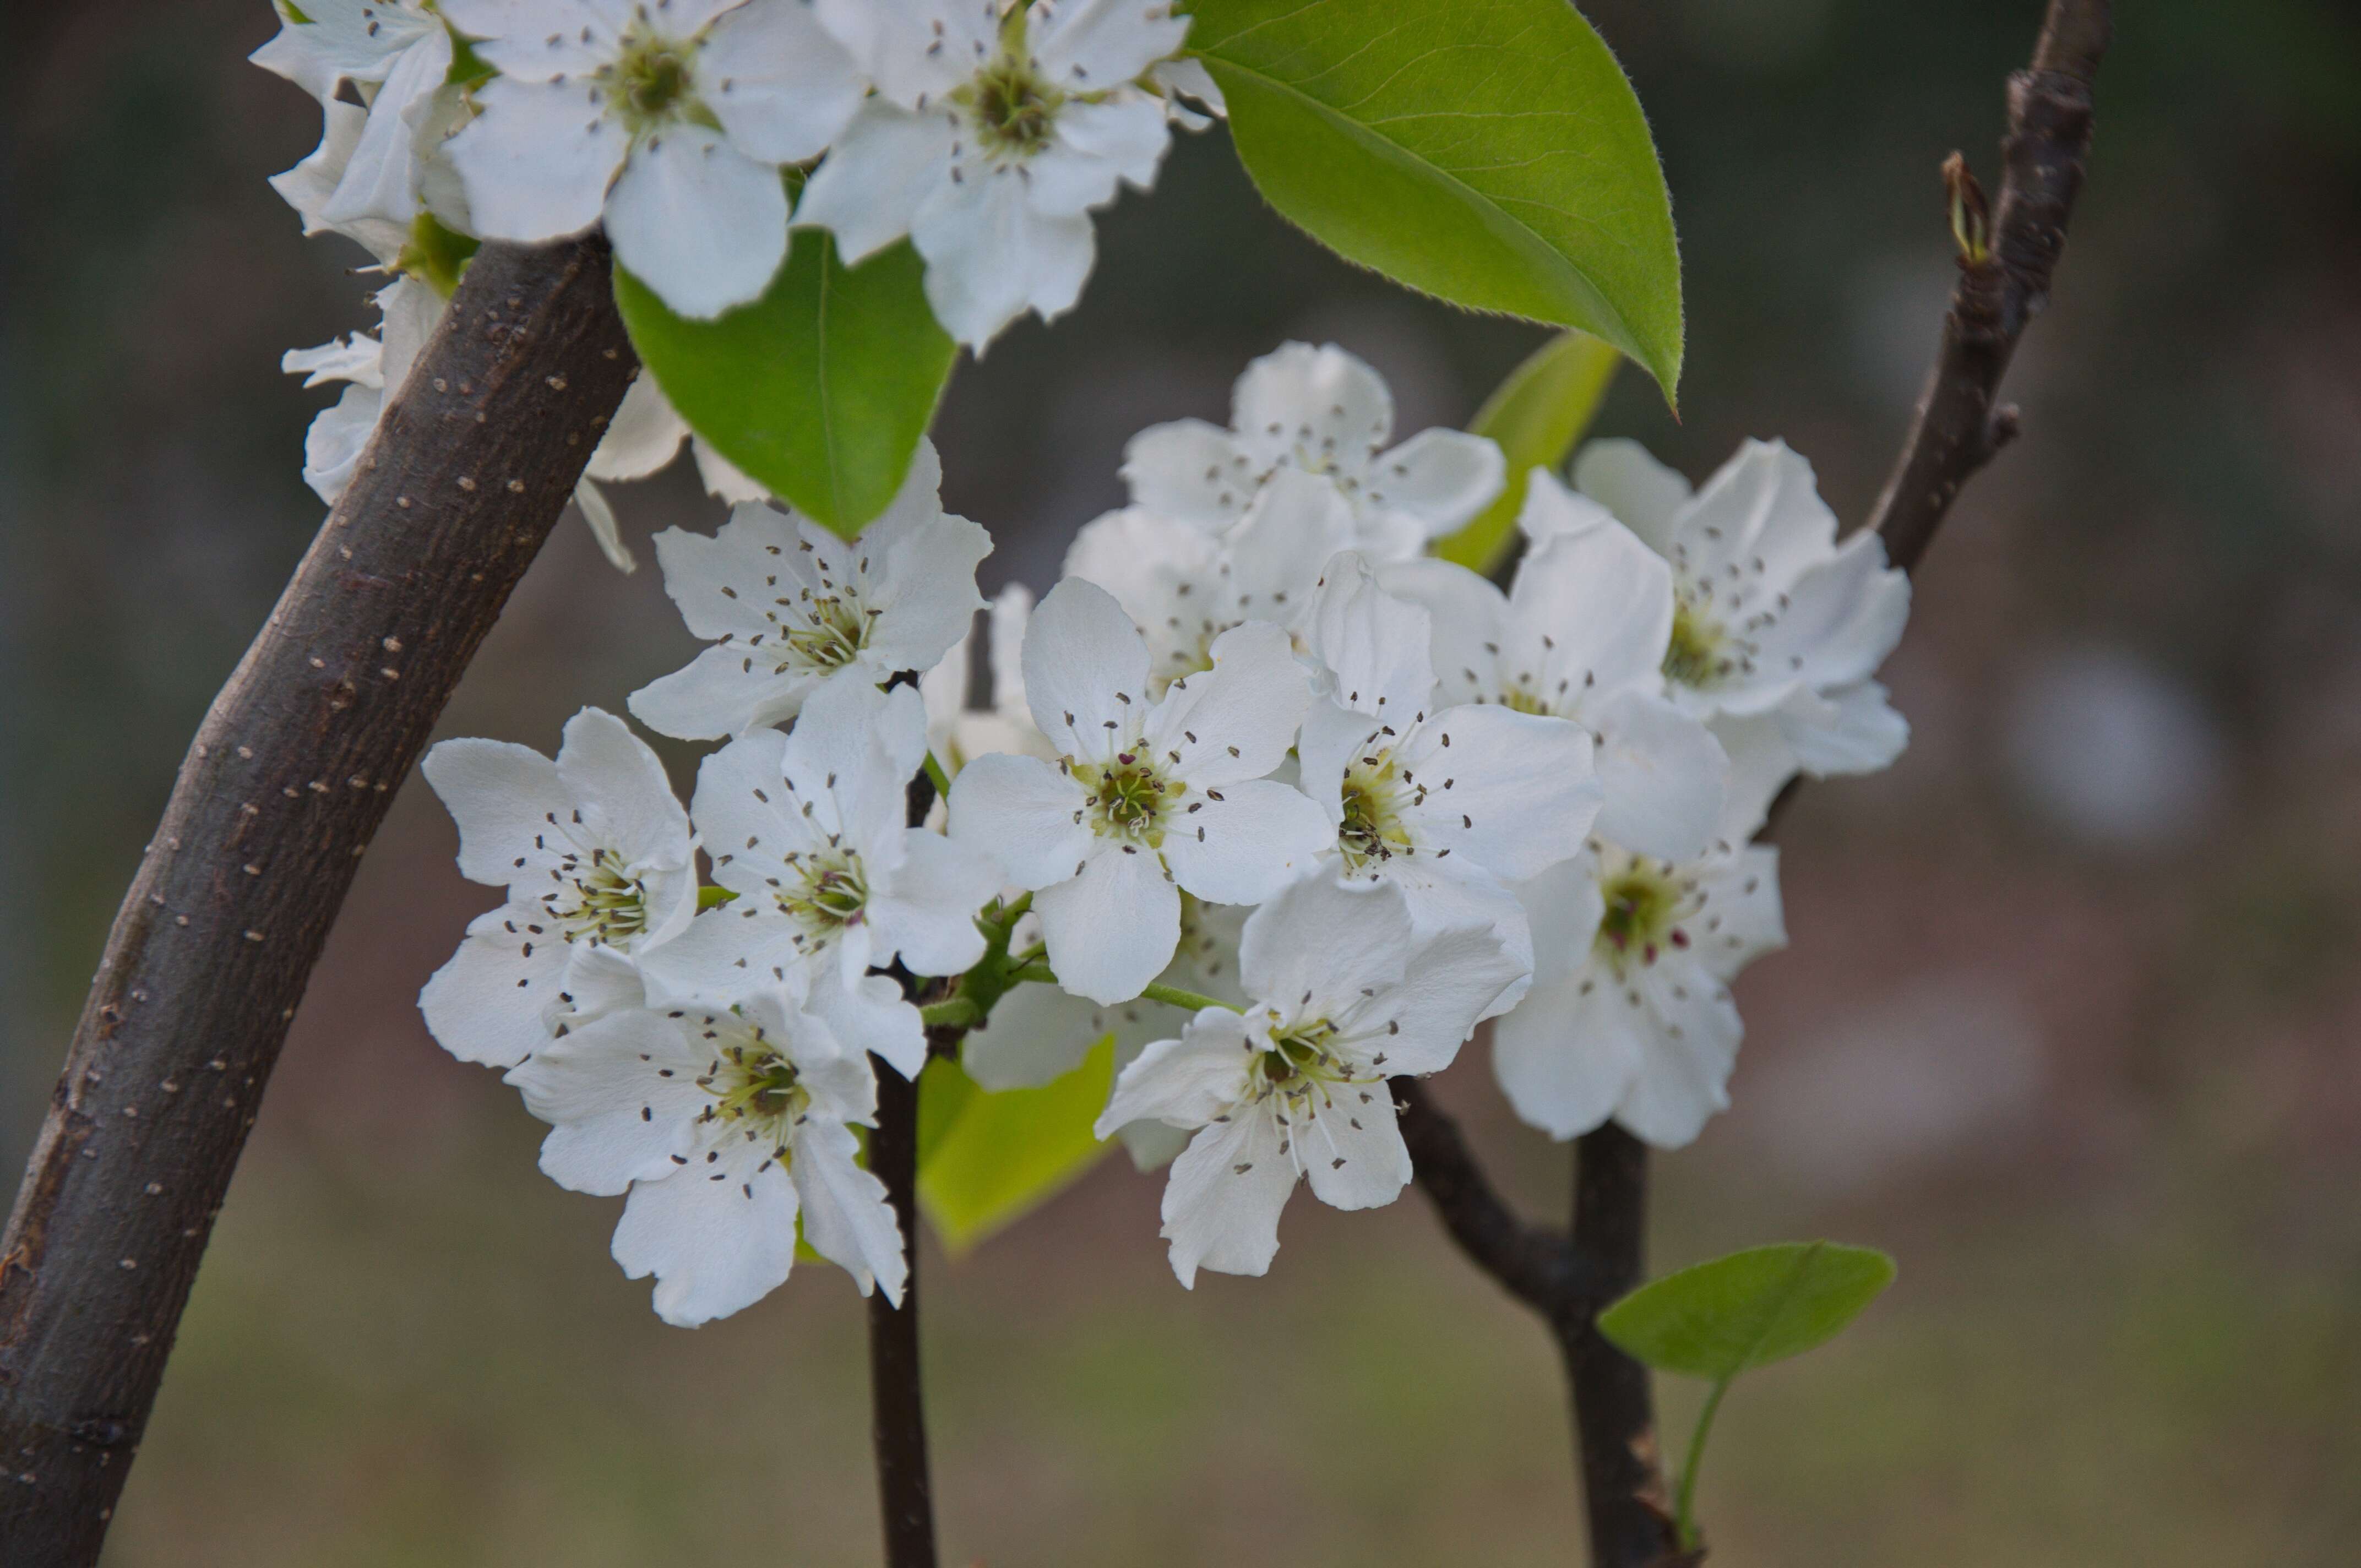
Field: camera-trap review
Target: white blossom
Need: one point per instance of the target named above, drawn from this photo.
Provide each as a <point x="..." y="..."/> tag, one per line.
<point x="1322" y="411"/>
<point x="1582" y="634"/>
<point x="1778" y="628"/>
<point x="726" y="1125"/>
<point x="809" y="831"/>
<point x="1184" y="587"/>
<point x="995" y="131"/>
<point x="667" y="120"/>
<point x="1449" y="805"/>
<point x="1148" y="798"/>
<point x="791" y="607"/>
<point x="600" y="868"/>
<point x="1345" y="995"/>
<point x="371" y="368"/>
<point x="1630" y="1015"/>
<point x="396" y="54"/>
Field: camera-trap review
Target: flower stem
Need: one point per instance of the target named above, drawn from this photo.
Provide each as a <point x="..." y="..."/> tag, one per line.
<point x="1684" y="1514"/>
<point x="1173" y="996"/>
<point x="956" y="1012"/>
<point x="941" y="780"/>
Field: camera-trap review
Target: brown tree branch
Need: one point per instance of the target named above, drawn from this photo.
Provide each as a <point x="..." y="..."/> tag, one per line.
<point x="290" y="774"/>
<point x="2006" y="264"/>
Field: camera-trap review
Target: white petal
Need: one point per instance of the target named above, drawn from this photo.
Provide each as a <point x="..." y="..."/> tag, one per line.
<point x="1091" y="46"/>
<point x="620" y="788"/>
<point x="486" y="1005"/>
<point x="869" y="187"/>
<point x="722" y="693"/>
<point x="1111" y="929"/>
<point x="1469" y="617"/>
<point x="1567" y="1056"/>
<point x="722" y="479"/>
<point x="1852" y="730"/>
<point x="1319" y="399"/>
<point x="1665" y="775"/>
<point x="1763" y="505"/>
<point x="604" y="527"/>
<point x="1352" y="1152"/>
<point x="1512" y="791"/>
<point x="382" y="180"/>
<point x="1563" y="908"/>
<point x="337" y="437"/>
<point x="538" y="41"/>
<point x="1189" y="78"/>
<point x="1744" y="915"/>
<point x="1085" y="671"/>
<point x="871" y="1016"/>
<point x="621" y="1098"/>
<point x="1326" y="939"/>
<point x="1443" y="478"/>
<point x="1762" y="761"/>
<point x="338" y="43"/>
<point x="501" y="796"/>
<point x="717" y="1237"/>
<point x="1021" y="811"/>
<point x="927" y="911"/>
<point x="1376" y="647"/>
<point x="778" y="83"/>
<point x="1643" y="493"/>
<point x="1450" y="980"/>
<point x="698" y="222"/>
<point x="926" y="599"/>
<point x="1682" y="1075"/>
<point x="847" y="1217"/>
<point x="1590" y="612"/>
<point x="914" y="48"/>
<point x="1222" y="1199"/>
<point x="991" y="255"/>
<point x="537" y="160"/>
<point x="1187" y="1081"/>
<point x="1093" y="146"/>
<point x="1259" y="836"/>
<point x="1189" y="471"/>
<point x="1841" y="617"/>
<point x="1036" y="1034"/>
<point x="698" y="569"/>
<point x="1236" y="720"/>
<point x="644" y="435"/>
<point x="1552" y="510"/>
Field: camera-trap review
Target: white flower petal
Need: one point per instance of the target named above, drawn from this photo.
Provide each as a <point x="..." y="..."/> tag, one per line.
<point x="1450" y="980"/>
<point x="1512" y="791"/>
<point x="1246" y="846"/>
<point x="914" y="48"/>
<point x="1093" y="146"/>
<point x="1567" y="1058"/>
<point x="927" y="911"/>
<point x="1222" y="1201"/>
<point x="869" y="187"/>
<point x="502" y="796"/>
<point x="1590" y="612"/>
<point x="1377" y="646"/>
<point x="1318" y="400"/>
<point x="537" y="162"/>
<point x="604" y="527"/>
<point x="698" y="221"/>
<point x="1743" y="897"/>
<point x="621" y="1098"/>
<point x="847" y="1216"/>
<point x="1664" y="776"/>
<point x="991" y="255"/>
<point x="1352" y="1152"/>
<point x="717" y="1237"/>
<point x="1644" y="494"/>
<point x="781" y="87"/>
<point x="1185" y="1082"/>
<point x="538" y="40"/>
<point x="1443" y="478"/>
<point x="380" y="181"/>
<point x="622" y="792"/>
<point x="487" y="1005"/>
<point x="1852" y="729"/>
<point x="1111" y="929"/>
<point x="1091" y="46"/>
<point x="1683" y="1077"/>
<point x="1326" y="939"/>
<point x="1024" y="813"/>
<point x="1236" y="720"/>
<point x="1189" y="471"/>
<point x="1036" y="1034"/>
<point x="1085" y="671"/>
<point x="722" y="693"/>
<point x="871" y="1016"/>
<point x="1469" y="619"/>
<point x="644" y="435"/>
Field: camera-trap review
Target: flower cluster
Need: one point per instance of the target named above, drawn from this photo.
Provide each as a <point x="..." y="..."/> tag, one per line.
<point x="1285" y="804"/>
<point x="700" y="133"/>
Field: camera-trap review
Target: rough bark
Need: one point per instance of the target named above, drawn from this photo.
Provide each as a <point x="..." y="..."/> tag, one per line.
<point x="897" y="1404"/>
<point x="288" y="778"/>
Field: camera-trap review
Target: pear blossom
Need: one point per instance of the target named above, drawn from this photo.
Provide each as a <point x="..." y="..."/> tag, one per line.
<point x="1773" y="620"/>
<point x="371" y="368"/>
<point x="808" y="829"/>
<point x="726" y="1125"/>
<point x="1184" y="587"/>
<point x="955" y="731"/>
<point x="1322" y="411"/>
<point x="1630" y="1016"/>
<point x="667" y="120"/>
<point x="1450" y="804"/>
<point x="312" y="185"/>
<point x="1345" y="994"/>
<point x="1582" y="634"/>
<point x="791" y="607"/>
<point x="995" y="131"/>
<point x="1148" y="798"/>
<point x="600" y="868"/>
<point x="397" y="54"/>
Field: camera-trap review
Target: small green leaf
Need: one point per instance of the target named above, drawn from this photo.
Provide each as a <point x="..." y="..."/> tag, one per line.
<point x="1536" y="415"/>
<point x="988" y="1159"/>
<point x="820" y="388"/>
<point x="1753" y="1308"/>
<point x="1486" y="151"/>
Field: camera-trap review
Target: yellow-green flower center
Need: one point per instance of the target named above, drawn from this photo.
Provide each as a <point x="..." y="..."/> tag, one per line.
<point x="607" y="904"/>
<point x="833" y="632"/>
<point x="830" y="893"/>
<point x="755" y="1086"/>
<point x="652" y="82"/>
<point x="1698" y="654"/>
<point x="1128" y="798"/>
<point x="1372" y="830"/>
<point x="1644" y="905"/>
<point x="1014" y="108"/>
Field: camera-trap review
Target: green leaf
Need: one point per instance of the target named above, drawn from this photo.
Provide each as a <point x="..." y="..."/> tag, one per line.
<point x="1486" y="151"/>
<point x="985" y="1160"/>
<point x="820" y="388"/>
<point x="1536" y="415"/>
<point x="1753" y="1308"/>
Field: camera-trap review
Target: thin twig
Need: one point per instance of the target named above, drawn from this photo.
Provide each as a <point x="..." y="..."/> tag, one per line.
<point x="288" y="777"/>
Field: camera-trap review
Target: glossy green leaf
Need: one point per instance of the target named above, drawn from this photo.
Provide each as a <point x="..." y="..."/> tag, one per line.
<point x="1488" y="152"/>
<point x="1536" y="415"/>
<point x="1753" y="1308"/>
<point x="985" y="1160"/>
<point x="820" y="388"/>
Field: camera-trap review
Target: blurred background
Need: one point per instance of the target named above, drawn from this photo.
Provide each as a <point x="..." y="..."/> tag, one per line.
<point x="2072" y="1022"/>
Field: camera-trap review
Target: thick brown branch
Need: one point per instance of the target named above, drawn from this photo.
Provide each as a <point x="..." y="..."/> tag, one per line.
<point x="1623" y="1494"/>
<point x="897" y="1390"/>
<point x="1958" y="427"/>
<point x="278" y="797"/>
